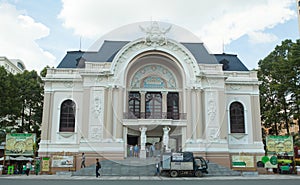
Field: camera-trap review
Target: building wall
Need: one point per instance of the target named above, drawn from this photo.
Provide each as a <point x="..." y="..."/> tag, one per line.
<point x="100" y="92"/>
<point x="13" y="66"/>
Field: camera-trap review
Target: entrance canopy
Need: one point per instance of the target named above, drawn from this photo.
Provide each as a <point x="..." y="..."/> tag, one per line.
<point x="20" y="158"/>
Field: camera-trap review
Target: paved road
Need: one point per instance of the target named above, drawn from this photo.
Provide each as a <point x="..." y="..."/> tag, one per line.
<point x="115" y="180"/>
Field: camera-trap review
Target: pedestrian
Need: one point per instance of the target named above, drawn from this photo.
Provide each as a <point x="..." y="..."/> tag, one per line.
<point x="130" y="151"/>
<point x="83" y="160"/>
<point x="136" y="151"/>
<point x="28" y="167"/>
<point x="157" y="169"/>
<point x="37" y="166"/>
<point x="152" y="150"/>
<point x="98" y="167"/>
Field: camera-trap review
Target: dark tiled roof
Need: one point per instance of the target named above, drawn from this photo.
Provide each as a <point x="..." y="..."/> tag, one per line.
<point x="109" y="49"/>
<point x="200" y="53"/>
<point x="71" y="59"/>
<point x="107" y="52"/>
<point x="230" y="62"/>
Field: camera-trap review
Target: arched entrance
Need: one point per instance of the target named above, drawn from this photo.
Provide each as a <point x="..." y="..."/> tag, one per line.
<point x="154" y="104"/>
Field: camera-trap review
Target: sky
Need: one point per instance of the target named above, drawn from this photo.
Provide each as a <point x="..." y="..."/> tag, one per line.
<point x="40" y="32"/>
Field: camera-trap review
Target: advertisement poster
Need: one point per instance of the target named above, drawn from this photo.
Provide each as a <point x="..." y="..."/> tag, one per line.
<point x="280" y="145"/>
<point x="242" y="161"/>
<point x="20" y="144"/>
<point x="268" y="161"/>
<point x="62" y="161"/>
<point x="45" y="164"/>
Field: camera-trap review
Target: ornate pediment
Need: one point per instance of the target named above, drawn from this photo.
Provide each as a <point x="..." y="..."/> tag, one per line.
<point x="155" y="35"/>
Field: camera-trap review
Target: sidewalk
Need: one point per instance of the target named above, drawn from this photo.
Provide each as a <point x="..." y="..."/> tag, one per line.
<point x="137" y="178"/>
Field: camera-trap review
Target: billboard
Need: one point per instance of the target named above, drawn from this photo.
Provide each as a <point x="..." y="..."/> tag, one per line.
<point x="20" y="144"/>
<point x="242" y="161"/>
<point x="280" y="145"/>
<point x="62" y="161"/>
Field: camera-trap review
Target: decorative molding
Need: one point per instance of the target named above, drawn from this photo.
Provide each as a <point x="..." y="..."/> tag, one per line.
<point x="155" y="36"/>
<point x="69" y="84"/>
<point x="96" y="115"/>
<point x="97" y="106"/>
<point x="213" y="134"/>
<point x="238" y="135"/>
<point x="132" y="49"/>
<point x="235" y="87"/>
<point x="238" y="138"/>
<point x="160" y="77"/>
<point x="66" y="134"/>
<point x="211" y="108"/>
<point x="96" y="132"/>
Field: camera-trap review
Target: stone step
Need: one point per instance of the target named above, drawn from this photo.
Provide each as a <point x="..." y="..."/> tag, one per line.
<point x="143" y="167"/>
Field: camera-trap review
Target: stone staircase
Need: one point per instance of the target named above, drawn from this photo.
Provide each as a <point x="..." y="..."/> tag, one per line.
<point x="143" y="167"/>
<point x="126" y="167"/>
<point x="218" y="170"/>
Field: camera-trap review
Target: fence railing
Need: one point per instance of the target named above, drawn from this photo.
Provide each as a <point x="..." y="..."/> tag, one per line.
<point x="149" y="115"/>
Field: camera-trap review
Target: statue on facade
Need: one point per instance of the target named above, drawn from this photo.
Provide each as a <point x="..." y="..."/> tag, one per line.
<point x="166" y="137"/>
<point x="155" y="35"/>
<point x="143" y="137"/>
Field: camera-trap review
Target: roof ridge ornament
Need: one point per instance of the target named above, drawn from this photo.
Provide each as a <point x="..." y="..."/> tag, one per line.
<point x="155" y="35"/>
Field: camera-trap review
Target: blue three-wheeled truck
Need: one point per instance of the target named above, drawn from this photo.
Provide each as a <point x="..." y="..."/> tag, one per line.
<point x="183" y="163"/>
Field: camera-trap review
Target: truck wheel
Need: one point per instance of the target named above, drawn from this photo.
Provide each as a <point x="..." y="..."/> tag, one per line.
<point x="174" y="173"/>
<point x="198" y="173"/>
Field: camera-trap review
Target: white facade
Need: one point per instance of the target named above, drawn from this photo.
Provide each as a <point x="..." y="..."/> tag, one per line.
<point x="153" y="91"/>
<point x="13" y="66"/>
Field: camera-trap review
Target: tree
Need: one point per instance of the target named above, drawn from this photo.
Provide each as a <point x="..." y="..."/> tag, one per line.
<point x="279" y="86"/>
<point x="31" y="97"/>
<point x="295" y="82"/>
<point x="9" y="104"/>
<point x="21" y="102"/>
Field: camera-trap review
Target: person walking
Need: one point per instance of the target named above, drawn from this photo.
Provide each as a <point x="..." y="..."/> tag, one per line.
<point x="98" y="167"/>
<point x="157" y="166"/>
<point x="83" y="160"/>
<point x="28" y="167"/>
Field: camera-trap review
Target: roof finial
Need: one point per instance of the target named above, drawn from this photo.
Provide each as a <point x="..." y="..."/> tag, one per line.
<point x="223" y="46"/>
<point x="80" y="43"/>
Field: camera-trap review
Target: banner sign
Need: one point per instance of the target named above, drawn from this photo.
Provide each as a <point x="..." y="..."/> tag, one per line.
<point x="62" y="161"/>
<point x="268" y="161"/>
<point x="280" y="145"/>
<point x="20" y="144"/>
<point x="242" y="161"/>
<point x="45" y="164"/>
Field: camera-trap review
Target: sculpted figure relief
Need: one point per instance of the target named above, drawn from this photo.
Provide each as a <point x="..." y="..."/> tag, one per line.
<point x="155" y="35"/>
<point x="143" y="137"/>
<point x="166" y="137"/>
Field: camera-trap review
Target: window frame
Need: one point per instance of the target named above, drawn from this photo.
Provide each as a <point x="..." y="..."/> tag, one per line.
<point x="241" y="115"/>
<point x="68" y="117"/>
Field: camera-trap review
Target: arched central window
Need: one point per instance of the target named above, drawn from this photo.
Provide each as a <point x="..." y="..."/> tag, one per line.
<point x="153" y="105"/>
<point x="134" y="105"/>
<point x="173" y="105"/>
<point x="237" y="120"/>
<point x="67" y="116"/>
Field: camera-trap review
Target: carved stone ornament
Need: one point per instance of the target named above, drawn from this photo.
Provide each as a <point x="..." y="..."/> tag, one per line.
<point x="66" y="134"/>
<point x="68" y="84"/>
<point x="211" y="108"/>
<point x="96" y="132"/>
<point x="97" y="107"/>
<point x="155" y="35"/>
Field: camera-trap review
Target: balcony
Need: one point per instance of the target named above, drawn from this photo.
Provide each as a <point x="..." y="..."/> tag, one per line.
<point x="148" y="115"/>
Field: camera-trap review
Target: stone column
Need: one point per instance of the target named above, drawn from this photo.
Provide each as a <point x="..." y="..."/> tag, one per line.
<point x="125" y="132"/>
<point x="166" y="138"/>
<point x="164" y="104"/>
<point x="143" y="142"/>
<point x="143" y="101"/>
